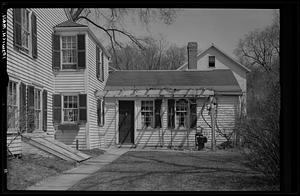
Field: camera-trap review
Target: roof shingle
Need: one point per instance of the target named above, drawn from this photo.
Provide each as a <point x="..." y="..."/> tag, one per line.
<point x="218" y="80"/>
<point x="70" y="23"/>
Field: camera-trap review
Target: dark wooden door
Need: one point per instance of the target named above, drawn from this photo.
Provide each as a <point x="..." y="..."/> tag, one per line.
<point x="126" y="122"/>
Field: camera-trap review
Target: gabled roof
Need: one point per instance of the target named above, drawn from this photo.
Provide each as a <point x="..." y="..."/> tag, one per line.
<point x="221" y="51"/>
<point x="70" y="23"/>
<point x="218" y="80"/>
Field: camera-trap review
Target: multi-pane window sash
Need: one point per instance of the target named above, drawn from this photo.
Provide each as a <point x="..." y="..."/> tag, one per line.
<point x="37" y="108"/>
<point x="25" y="28"/>
<point x="181" y="113"/>
<point x="69" y="52"/>
<point x="147" y="114"/>
<point x="70" y="108"/>
<point x="12" y="107"/>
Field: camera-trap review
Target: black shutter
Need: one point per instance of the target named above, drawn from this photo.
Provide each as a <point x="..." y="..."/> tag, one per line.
<point x="171" y="113"/>
<point x="102" y="108"/>
<point x="97" y="62"/>
<point x="82" y="108"/>
<point x="30" y="109"/>
<point x="157" y="104"/>
<point x="102" y="66"/>
<point x="98" y="112"/>
<point x="45" y="110"/>
<point x="55" y="52"/>
<point x="17" y="27"/>
<point x="23" y="115"/>
<point x="34" y="35"/>
<point x="193" y="113"/>
<point x="81" y="51"/>
<point x="57" y="108"/>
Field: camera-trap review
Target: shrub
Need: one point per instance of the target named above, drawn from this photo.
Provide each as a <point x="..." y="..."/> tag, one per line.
<point x="260" y="133"/>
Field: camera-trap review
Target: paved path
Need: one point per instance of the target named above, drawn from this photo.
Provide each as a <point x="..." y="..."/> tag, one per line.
<point x="68" y="178"/>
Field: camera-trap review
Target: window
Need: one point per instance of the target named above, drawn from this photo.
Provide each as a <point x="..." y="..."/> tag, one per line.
<point x="37" y="108"/>
<point x="147" y="114"/>
<point x="69" y="52"/>
<point x="70" y="108"/>
<point x="25" y="31"/>
<point x="181" y="113"/>
<point x="12" y="106"/>
<point x="25" y="28"/>
<point x="211" y="61"/>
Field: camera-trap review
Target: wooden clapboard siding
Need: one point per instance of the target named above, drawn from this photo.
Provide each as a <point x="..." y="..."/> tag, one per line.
<point x="16" y="146"/>
<point x="93" y="85"/>
<point x="69" y="81"/>
<point x="36" y="72"/>
<point x="166" y="137"/>
<point x="69" y="137"/>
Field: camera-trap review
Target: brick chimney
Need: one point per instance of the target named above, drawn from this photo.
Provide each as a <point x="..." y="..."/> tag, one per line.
<point x="192" y="48"/>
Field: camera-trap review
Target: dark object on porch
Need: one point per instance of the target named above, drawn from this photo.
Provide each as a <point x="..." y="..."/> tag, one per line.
<point x="200" y="140"/>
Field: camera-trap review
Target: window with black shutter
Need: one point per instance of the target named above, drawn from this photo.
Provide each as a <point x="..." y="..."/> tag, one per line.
<point x="103" y="112"/>
<point x="30" y="109"/>
<point x="25" y="31"/>
<point x="82" y="108"/>
<point x="193" y="113"/>
<point x="171" y="113"/>
<point x="57" y="108"/>
<point x="157" y="104"/>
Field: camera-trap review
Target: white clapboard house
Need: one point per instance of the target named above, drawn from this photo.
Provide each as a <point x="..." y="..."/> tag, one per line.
<point x="61" y="93"/>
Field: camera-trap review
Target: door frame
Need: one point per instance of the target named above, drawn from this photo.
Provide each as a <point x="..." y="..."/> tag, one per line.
<point x="118" y="117"/>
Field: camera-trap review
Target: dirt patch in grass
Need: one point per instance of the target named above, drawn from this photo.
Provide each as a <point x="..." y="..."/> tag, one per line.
<point x="30" y="169"/>
<point x="177" y="171"/>
<point x="93" y="152"/>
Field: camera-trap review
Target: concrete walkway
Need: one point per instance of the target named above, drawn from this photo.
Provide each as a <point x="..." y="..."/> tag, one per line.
<point x="68" y="178"/>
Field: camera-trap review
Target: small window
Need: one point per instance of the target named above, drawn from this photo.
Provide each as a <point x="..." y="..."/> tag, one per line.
<point x="12" y="106"/>
<point x="100" y="112"/>
<point x="69" y="52"/>
<point x="147" y="111"/>
<point x="70" y="108"/>
<point x="37" y="109"/>
<point x="211" y="61"/>
<point x="181" y="113"/>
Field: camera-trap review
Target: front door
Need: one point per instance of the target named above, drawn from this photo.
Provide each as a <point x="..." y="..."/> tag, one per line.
<point x="126" y="122"/>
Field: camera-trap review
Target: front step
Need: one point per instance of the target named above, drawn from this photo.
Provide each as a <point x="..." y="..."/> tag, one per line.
<point x="126" y="146"/>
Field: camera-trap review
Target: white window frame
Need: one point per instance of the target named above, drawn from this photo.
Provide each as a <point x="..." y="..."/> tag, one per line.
<point x="63" y="109"/>
<point x="181" y="111"/>
<point x="38" y="108"/>
<point x="61" y="52"/>
<point x="102" y="112"/>
<point x="17" y="106"/>
<point x="152" y="124"/>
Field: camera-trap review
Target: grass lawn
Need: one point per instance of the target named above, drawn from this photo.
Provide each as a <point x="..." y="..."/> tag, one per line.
<point x="32" y="168"/>
<point x="176" y="171"/>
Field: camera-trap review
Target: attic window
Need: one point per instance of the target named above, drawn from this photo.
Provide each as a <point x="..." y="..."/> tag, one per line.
<point x="211" y="61"/>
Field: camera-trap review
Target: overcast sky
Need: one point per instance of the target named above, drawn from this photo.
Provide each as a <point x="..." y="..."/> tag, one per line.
<point x="223" y="27"/>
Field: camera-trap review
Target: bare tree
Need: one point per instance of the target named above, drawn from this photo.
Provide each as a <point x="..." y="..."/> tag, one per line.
<point x="158" y="54"/>
<point x="261" y="48"/>
<point x="112" y="21"/>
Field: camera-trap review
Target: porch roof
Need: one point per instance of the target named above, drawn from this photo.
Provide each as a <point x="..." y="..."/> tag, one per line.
<point x="169" y="83"/>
